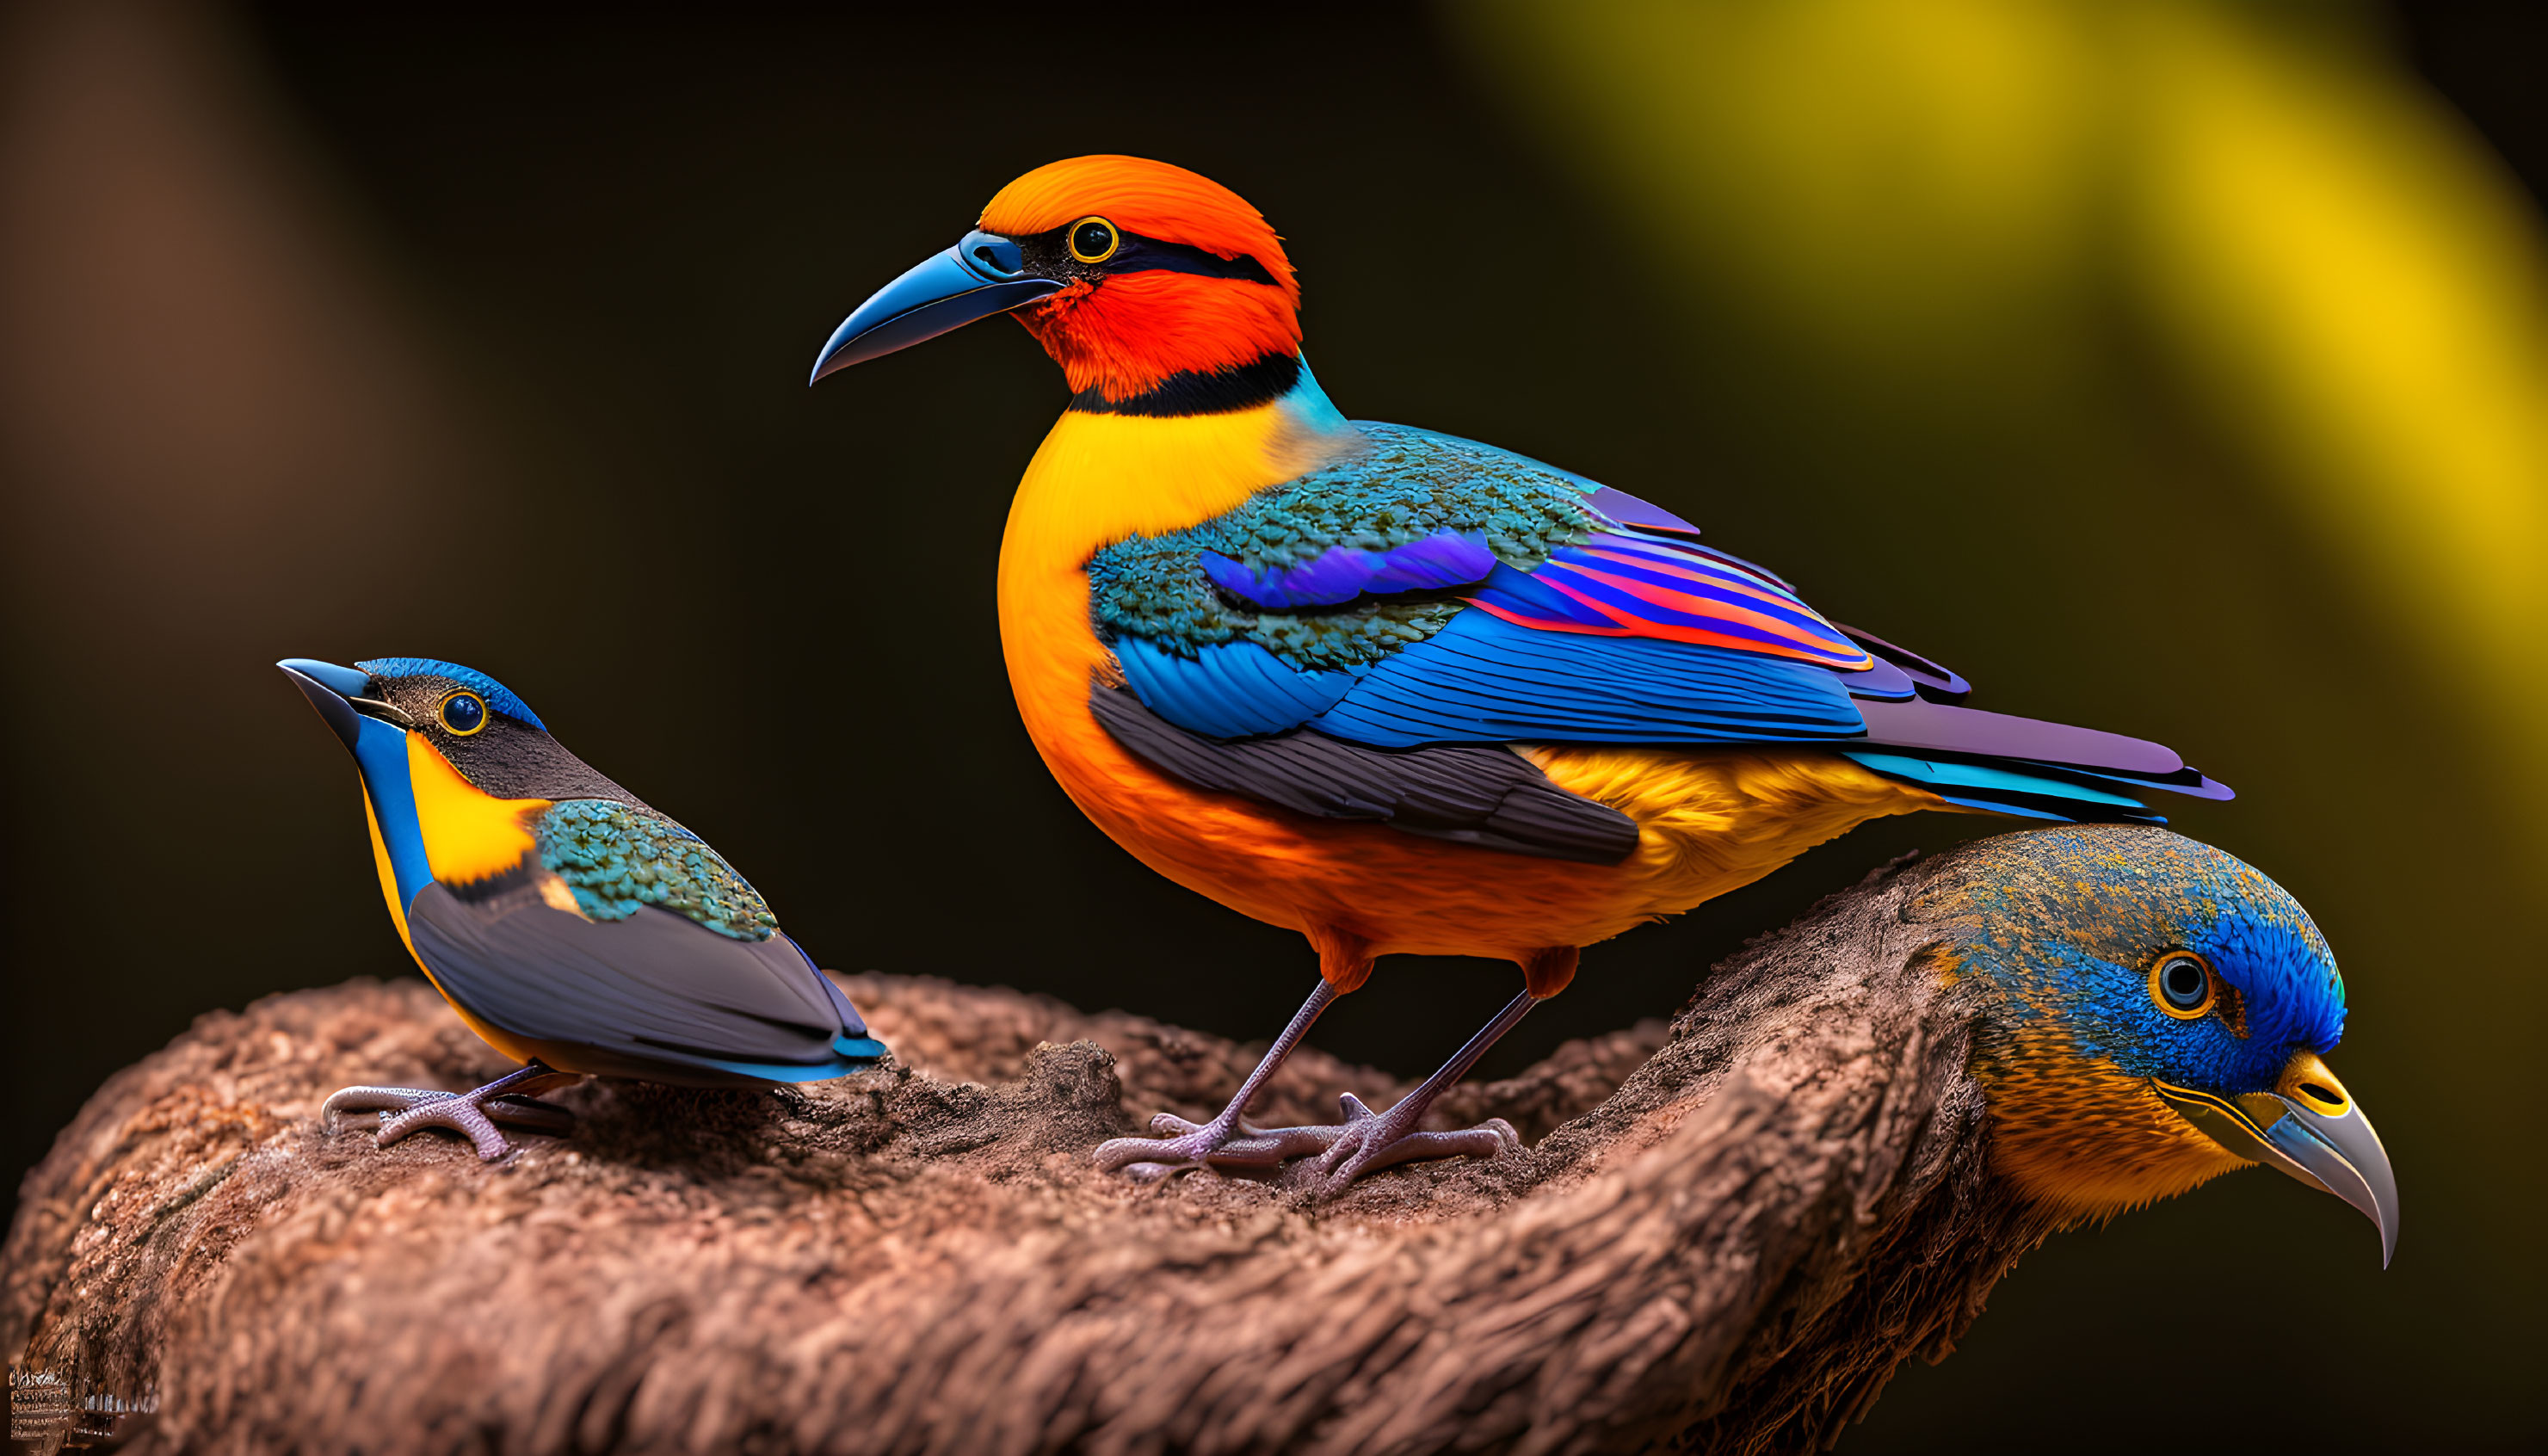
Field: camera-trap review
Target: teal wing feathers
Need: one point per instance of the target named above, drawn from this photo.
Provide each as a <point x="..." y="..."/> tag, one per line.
<point x="616" y="857"/>
<point x="1329" y="571"/>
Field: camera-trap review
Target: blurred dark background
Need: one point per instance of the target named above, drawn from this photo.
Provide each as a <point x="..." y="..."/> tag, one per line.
<point x="2178" y="369"/>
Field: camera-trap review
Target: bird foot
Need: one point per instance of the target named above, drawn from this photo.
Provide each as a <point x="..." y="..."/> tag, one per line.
<point x="1225" y="1142"/>
<point x="1364" y="1143"/>
<point x="473" y="1114"/>
<point x="1371" y="1140"/>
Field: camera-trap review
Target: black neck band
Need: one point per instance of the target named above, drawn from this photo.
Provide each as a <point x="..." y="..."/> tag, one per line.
<point x="1213" y="391"/>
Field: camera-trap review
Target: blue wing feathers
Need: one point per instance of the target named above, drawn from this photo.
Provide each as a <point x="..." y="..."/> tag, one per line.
<point x="1949" y="774"/>
<point x="1432" y="591"/>
<point x="1483" y="679"/>
<point x="1883" y="681"/>
<point x="1230" y="689"/>
<point x="1524" y="596"/>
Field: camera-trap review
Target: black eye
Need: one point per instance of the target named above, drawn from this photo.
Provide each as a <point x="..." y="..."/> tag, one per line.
<point x="464" y="713"/>
<point x="1094" y="239"/>
<point x="2182" y="985"/>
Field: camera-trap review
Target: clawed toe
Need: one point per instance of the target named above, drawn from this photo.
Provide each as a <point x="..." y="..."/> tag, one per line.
<point x="511" y="1110"/>
<point x="1181" y="1145"/>
<point x="1144" y="1158"/>
<point x="1232" y="1145"/>
<point x="459" y="1116"/>
<point x="1352" y="1157"/>
<point x="474" y="1113"/>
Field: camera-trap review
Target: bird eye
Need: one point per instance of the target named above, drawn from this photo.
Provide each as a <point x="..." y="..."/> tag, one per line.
<point x="1094" y="239"/>
<point x="2182" y="985"/>
<point x="464" y="712"/>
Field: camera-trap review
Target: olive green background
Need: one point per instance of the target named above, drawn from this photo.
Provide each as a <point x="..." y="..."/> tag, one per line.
<point x="482" y="335"/>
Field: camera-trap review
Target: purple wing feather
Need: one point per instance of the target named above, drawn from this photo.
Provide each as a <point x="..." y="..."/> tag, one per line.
<point x="1936" y="727"/>
<point x="1343" y="573"/>
<point x="1626" y="509"/>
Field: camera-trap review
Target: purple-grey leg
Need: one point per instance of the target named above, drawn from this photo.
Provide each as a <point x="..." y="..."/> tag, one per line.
<point x="474" y="1113"/>
<point x="1226" y="1138"/>
<point x="1369" y="1140"/>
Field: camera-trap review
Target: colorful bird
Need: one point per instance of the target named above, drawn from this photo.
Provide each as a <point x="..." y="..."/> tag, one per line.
<point x="2152" y="1013"/>
<point x="574" y="929"/>
<point x="1401" y="691"/>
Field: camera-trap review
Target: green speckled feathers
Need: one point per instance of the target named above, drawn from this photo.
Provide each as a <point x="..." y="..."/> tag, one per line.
<point x="618" y="857"/>
<point x="1409" y="485"/>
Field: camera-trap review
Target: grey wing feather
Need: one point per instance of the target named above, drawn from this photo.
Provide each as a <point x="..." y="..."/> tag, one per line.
<point x="652" y="995"/>
<point x="1489" y="796"/>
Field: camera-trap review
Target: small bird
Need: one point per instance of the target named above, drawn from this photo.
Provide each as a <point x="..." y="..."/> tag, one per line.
<point x="574" y="929"/>
<point x="1402" y="692"/>
<point x="2154" y="1012"/>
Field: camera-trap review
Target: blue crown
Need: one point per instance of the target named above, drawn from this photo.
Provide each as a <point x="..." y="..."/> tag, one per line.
<point x="498" y="695"/>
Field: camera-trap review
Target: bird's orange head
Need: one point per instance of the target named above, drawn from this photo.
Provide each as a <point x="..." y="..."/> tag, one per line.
<point x="1155" y="288"/>
<point x="1169" y="273"/>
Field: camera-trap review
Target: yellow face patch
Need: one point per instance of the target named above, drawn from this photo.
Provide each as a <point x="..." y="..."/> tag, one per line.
<point x="520" y="1051"/>
<point x="469" y="835"/>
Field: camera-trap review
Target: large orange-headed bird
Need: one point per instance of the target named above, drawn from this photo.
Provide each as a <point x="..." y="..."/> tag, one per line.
<point x="1399" y="692"/>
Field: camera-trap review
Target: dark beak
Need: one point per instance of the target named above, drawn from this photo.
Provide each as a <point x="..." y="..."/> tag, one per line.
<point x="976" y="278"/>
<point x="2310" y="1127"/>
<point x="337" y="693"/>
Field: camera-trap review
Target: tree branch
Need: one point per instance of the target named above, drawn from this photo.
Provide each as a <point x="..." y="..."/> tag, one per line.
<point x="1728" y="1237"/>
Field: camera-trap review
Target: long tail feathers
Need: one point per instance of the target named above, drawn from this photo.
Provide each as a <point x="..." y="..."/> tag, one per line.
<point x="2020" y="766"/>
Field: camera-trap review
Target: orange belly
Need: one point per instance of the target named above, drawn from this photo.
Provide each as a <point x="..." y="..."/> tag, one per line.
<point x="1710" y="820"/>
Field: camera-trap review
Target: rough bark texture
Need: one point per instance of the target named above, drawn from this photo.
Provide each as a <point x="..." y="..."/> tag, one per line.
<point x="1725" y="1237"/>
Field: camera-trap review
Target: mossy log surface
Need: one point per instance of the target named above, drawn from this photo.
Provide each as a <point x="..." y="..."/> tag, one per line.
<point x="1724" y="1235"/>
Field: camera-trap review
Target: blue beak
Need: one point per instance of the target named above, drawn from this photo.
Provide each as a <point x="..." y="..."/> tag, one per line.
<point x="980" y="276"/>
<point x="330" y="689"/>
<point x="376" y="733"/>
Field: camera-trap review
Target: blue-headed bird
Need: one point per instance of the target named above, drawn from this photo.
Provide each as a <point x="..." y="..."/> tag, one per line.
<point x="574" y="928"/>
<point x="2152" y="1012"/>
<point x="1401" y="691"/>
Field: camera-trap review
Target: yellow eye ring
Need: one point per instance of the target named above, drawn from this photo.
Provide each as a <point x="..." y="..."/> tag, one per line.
<point x="2174" y="988"/>
<point x="462" y="712"/>
<point x="1101" y="236"/>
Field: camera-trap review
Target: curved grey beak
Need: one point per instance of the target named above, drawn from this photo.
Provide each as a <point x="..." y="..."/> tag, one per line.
<point x="2311" y="1129"/>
